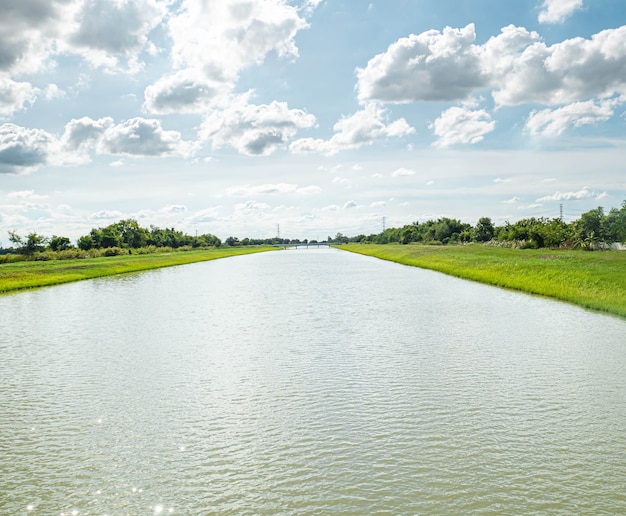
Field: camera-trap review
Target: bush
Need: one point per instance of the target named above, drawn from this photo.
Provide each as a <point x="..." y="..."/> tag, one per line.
<point x="114" y="251"/>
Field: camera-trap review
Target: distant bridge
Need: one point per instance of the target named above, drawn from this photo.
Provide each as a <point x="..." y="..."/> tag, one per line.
<point x="305" y="244"/>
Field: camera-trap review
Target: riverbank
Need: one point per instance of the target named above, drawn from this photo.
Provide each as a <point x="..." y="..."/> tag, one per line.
<point x="595" y="280"/>
<point x="24" y="275"/>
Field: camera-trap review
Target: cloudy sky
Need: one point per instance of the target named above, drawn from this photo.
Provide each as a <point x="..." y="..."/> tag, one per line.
<point x="237" y="117"/>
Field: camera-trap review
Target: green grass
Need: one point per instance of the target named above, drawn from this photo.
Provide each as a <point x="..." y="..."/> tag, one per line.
<point x="595" y="280"/>
<point x="33" y="274"/>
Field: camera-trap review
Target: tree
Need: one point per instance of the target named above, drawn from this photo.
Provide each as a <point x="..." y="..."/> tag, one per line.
<point x="130" y="233"/>
<point x="32" y="244"/>
<point x="16" y="240"/>
<point x="60" y="243"/>
<point x="484" y="230"/>
<point x="588" y="229"/>
<point x="85" y="243"/>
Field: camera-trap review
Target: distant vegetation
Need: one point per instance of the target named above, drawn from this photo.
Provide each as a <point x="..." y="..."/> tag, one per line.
<point x="123" y="237"/>
<point x="595" y="229"/>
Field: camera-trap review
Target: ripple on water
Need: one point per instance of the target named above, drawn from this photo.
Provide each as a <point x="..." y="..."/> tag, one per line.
<point x="308" y="382"/>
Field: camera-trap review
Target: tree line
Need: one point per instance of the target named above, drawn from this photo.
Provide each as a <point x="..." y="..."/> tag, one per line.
<point x="595" y="229"/>
<point x="122" y="237"/>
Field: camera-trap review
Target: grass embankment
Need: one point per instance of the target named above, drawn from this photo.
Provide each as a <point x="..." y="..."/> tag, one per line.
<point x="594" y="280"/>
<point x="24" y="275"/>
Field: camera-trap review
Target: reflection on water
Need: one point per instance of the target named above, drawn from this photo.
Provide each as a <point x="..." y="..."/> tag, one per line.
<point x="309" y="381"/>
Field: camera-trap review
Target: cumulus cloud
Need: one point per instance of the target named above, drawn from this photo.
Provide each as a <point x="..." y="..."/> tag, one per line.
<point x="107" y="32"/>
<point x="29" y="30"/>
<point x="557" y="11"/>
<point x="24" y="150"/>
<point x="362" y="128"/>
<point x="349" y="204"/>
<point x="142" y="137"/>
<point x="83" y="135"/>
<point x="584" y="193"/>
<point x="462" y="125"/>
<point x="222" y="38"/>
<point x="14" y="96"/>
<point x="552" y="122"/>
<point x="183" y="92"/>
<point x="433" y="65"/>
<point x="515" y="66"/>
<point x="254" y="129"/>
<point x="566" y="72"/>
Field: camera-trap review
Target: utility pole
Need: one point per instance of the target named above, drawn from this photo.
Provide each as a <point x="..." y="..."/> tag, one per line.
<point x="384" y="222"/>
<point x="561" y="211"/>
<point x="277" y="230"/>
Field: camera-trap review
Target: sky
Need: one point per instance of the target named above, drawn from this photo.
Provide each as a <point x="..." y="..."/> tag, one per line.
<point x="307" y="118"/>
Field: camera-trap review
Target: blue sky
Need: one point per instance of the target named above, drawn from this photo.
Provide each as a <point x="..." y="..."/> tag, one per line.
<point x="318" y="116"/>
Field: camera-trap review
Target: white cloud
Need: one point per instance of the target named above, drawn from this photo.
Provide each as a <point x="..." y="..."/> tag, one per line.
<point x="173" y="209"/>
<point x="24" y="150"/>
<point x="221" y="38"/>
<point x="309" y="190"/>
<point x="29" y="195"/>
<point x="205" y="215"/>
<point x="573" y="70"/>
<point x="15" y="95"/>
<point x="106" y="33"/>
<point x="254" y="129"/>
<point x="109" y="31"/>
<point x="186" y="91"/>
<point x="512" y="200"/>
<point x="106" y="215"/>
<point x="430" y="66"/>
<point x="29" y="30"/>
<point x="462" y="125"/>
<point x="143" y="137"/>
<point x="550" y="122"/>
<point x="82" y="136"/>
<point x="584" y="193"/>
<point x="362" y="128"/>
<point x="403" y="172"/>
<point x="557" y="11"/>
<point x="516" y="66"/>
<point x="266" y="189"/>
<point x="349" y="204"/>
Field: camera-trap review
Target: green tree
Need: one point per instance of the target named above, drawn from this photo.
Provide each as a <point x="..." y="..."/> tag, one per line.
<point x="85" y="243"/>
<point x="33" y="242"/>
<point x="588" y="230"/>
<point x="484" y="230"/>
<point x="59" y="243"/>
<point x="130" y="233"/>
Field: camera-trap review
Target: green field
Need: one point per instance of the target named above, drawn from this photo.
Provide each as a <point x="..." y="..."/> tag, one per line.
<point x="32" y="274"/>
<point x="594" y="280"/>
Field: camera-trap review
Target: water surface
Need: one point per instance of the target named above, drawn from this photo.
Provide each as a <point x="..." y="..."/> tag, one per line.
<point x="310" y="381"/>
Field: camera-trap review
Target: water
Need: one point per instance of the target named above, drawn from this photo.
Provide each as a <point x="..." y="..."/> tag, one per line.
<point x="307" y="382"/>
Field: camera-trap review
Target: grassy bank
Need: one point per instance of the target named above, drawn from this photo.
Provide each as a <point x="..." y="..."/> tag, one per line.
<point x="594" y="280"/>
<point x="24" y="275"/>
